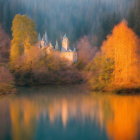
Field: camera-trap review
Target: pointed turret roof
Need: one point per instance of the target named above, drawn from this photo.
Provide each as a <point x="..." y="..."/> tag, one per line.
<point x="46" y="37"/>
<point x="56" y="45"/>
<point x="65" y="36"/>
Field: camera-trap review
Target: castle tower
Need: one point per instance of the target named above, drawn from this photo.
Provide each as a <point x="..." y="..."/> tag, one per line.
<point x="50" y="45"/>
<point x="65" y="44"/>
<point x="42" y="43"/>
<point x="49" y="48"/>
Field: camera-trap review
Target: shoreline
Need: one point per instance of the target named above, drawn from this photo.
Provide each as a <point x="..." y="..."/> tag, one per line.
<point x="83" y="87"/>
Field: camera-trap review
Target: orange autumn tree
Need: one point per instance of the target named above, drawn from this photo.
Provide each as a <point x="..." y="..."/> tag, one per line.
<point x="123" y="47"/>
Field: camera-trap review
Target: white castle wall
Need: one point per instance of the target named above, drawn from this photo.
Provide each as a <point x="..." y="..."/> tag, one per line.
<point x="70" y="56"/>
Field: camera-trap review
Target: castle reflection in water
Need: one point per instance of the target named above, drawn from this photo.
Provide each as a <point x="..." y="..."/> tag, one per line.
<point x="22" y="117"/>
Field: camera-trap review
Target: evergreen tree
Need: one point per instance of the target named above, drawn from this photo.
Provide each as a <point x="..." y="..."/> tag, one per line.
<point x="134" y="17"/>
<point x="107" y="23"/>
<point x="101" y="73"/>
<point x="137" y="17"/>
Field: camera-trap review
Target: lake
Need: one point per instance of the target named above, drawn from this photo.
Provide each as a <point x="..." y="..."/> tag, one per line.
<point x="68" y="113"/>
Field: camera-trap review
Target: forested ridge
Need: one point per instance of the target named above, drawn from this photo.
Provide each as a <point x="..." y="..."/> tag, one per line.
<point x="76" y="18"/>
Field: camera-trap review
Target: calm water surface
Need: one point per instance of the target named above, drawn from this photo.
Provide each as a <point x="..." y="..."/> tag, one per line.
<point x="70" y="113"/>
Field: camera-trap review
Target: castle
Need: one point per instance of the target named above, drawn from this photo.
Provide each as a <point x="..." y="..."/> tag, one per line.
<point x="65" y="51"/>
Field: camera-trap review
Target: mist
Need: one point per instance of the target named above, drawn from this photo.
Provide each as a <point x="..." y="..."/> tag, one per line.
<point x="76" y="18"/>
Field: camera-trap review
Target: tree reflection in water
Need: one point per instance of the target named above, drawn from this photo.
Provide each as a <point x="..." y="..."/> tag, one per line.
<point x="117" y="116"/>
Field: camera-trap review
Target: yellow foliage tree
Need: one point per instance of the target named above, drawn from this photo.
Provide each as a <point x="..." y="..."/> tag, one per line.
<point x="24" y="35"/>
<point x="123" y="47"/>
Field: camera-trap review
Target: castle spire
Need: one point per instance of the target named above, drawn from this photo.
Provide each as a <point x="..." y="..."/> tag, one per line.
<point x="46" y="38"/>
<point x="65" y="36"/>
<point x="56" y="45"/>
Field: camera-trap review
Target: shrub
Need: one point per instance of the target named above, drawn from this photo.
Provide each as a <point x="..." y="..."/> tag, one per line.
<point x="100" y="73"/>
<point x="6" y="81"/>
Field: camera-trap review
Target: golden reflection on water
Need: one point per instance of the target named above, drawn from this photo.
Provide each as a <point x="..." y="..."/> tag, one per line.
<point x="125" y="124"/>
<point x="118" y="115"/>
